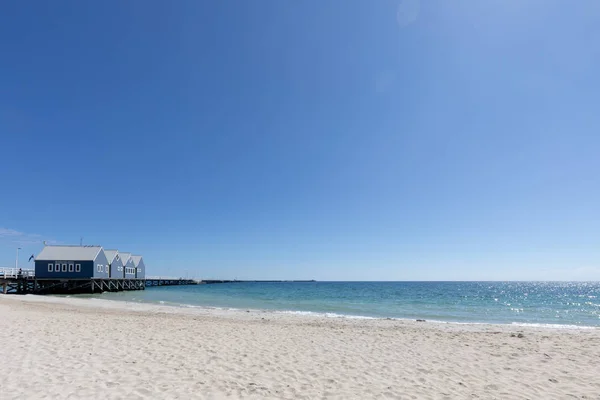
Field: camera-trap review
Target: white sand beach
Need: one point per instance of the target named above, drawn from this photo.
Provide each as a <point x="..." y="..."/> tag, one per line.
<point x="57" y="348"/>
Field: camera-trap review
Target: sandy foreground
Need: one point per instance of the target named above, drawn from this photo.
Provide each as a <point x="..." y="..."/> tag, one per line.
<point x="97" y="349"/>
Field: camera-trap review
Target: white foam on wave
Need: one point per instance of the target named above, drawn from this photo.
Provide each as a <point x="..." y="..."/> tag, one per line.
<point x="203" y="307"/>
<point x="434" y="321"/>
<point x="325" y="315"/>
<point x="552" y="326"/>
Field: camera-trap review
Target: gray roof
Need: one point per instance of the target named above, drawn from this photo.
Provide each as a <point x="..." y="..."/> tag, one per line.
<point x="124" y="257"/>
<point x="74" y="253"/>
<point x="110" y="255"/>
<point x="136" y="260"/>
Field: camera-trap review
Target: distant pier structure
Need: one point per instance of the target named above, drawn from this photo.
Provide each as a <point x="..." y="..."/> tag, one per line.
<point x="82" y="269"/>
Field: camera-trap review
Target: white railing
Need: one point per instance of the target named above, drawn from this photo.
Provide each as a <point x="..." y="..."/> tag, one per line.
<point x="16" y="273"/>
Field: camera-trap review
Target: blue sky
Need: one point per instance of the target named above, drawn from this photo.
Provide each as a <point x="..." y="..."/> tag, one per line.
<point x="334" y="140"/>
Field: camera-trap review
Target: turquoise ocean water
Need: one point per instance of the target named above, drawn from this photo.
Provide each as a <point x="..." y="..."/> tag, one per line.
<point x="547" y="303"/>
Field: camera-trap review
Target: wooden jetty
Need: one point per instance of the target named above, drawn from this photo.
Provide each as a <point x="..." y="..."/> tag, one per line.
<point x="169" y="281"/>
<point x="22" y="281"/>
<point x="213" y="281"/>
<point x="13" y="281"/>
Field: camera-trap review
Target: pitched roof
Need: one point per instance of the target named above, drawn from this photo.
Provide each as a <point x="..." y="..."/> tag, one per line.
<point x="111" y="254"/>
<point x="136" y="260"/>
<point x="74" y="253"/>
<point x="124" y="257"/>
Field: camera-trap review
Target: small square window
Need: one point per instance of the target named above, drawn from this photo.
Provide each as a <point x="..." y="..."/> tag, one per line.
<point x="50" y="267"/>
<point x="77" y="267"/>
<point x="64" y="268"/>
<point x="71" y="266"/>
<point x="106" y="269"/>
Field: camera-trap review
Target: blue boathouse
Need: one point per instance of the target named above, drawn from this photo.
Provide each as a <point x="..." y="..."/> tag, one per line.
<point x="140" y="267"/>
<point x="71" y="262"/>
<point x="128" y="266"/>
<point x="114" y="263"/>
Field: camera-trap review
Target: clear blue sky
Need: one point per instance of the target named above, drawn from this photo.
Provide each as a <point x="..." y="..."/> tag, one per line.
<point x="335" y="140"/>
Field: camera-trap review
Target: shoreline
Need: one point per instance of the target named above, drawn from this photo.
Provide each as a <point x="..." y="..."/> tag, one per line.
<point x="231" y="312"/>
<point x="168" y="307"/>
<point x="94" y="348"/>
